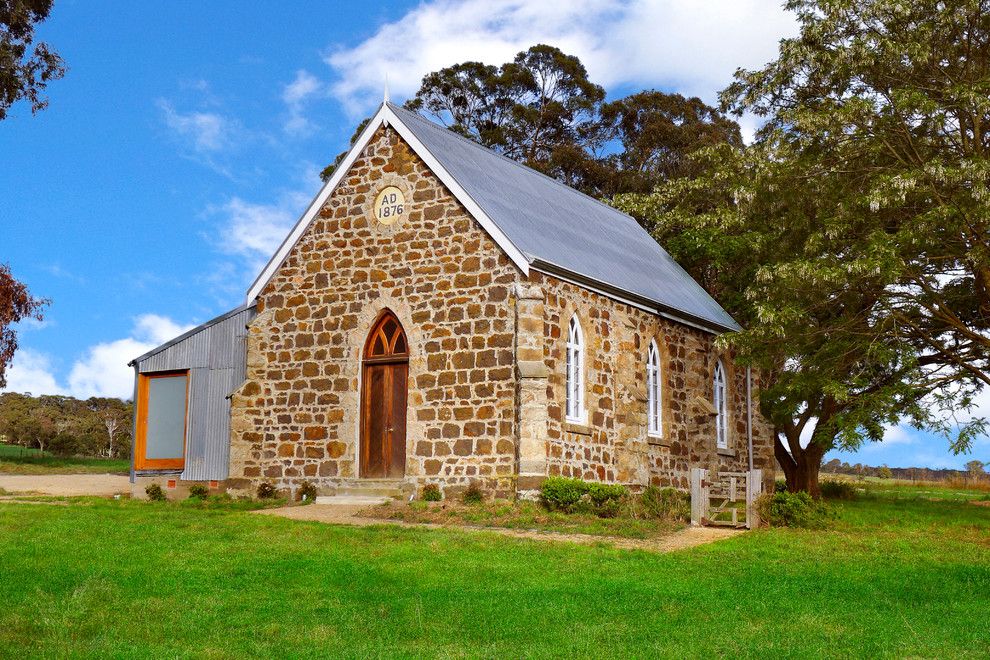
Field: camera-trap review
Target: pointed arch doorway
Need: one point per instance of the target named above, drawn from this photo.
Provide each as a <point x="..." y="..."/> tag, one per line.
<point x="385" y="386"/>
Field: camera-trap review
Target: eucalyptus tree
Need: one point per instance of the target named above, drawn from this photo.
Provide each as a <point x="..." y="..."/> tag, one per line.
<point x="26" y="67"/>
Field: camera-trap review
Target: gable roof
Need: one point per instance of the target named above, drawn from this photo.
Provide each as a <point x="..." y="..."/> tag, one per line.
<point x="539" y="222"/>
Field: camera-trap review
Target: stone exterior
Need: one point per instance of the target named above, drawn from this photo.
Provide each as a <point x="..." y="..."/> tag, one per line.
<point x="614" y="445"/>
<point x="297" y="415"/>
<point x="487" y="358"/>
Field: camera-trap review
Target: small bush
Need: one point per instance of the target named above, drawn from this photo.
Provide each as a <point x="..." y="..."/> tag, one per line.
<point x="837" y="490"/>
<point x="306" y="492"/>
<point x="665" y="504"/>
<point x="780" y="486"/>
<point x="473" y="494"/>
<point x="198" y="492"/>
<point x="561" y="493"/>
<point x="266" y="491"/>
<point x="577" y="496"/>
<point x="606" y="499"/>
<point x="795" y="510"/>
<point x="432" y="493"/>
<point x="155" y="493"/>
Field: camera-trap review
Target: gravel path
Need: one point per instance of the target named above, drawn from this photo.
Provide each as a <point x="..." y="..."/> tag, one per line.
<point x="348" y="515"/>
<point x="66" y="484"/>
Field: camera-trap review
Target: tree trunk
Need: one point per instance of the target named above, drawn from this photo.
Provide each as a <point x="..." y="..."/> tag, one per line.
<point x="801" y="465"/>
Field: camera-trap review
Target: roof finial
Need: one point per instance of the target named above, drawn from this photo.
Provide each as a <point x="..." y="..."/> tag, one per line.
<point x="386" y="88"/>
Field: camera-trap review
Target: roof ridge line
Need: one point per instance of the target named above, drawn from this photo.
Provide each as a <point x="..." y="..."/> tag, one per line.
<point x="477" y="145"/>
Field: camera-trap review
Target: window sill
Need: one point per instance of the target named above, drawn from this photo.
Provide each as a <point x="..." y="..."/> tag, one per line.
<point x="577" y="427"/>
<point x="657" y="440"/>
<point x="725" y="451"/>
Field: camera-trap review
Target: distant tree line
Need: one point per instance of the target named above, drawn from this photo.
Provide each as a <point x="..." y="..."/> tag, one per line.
<point x="975" y="471"/>
<point x="67" y="426"/>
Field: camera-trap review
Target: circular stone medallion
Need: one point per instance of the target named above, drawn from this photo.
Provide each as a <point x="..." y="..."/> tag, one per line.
<point x="390" y="205"/>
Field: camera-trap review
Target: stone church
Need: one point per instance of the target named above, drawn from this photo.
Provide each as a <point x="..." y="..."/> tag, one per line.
<point x="443" y="314"/>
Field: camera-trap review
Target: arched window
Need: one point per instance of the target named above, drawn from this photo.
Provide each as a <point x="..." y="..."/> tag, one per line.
<point x="653" y="391"/>
<point x="721" y="418"/>
<point x="575" y="371"/>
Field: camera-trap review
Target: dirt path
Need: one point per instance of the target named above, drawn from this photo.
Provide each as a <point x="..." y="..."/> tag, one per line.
<point x="66" y="484"/>
<point x="347" y="515"/>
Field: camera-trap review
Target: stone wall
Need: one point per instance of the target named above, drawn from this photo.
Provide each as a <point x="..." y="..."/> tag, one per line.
<point x="614" y="444"/>
<point x="297" y="416"/>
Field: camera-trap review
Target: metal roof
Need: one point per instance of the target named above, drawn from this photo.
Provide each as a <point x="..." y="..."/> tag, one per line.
<point x="190" y="333"/>
<point x="561" y="230"/>
<point x="539" y="222"/>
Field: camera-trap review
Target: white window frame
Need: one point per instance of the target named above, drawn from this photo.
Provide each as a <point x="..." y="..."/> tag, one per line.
<point x="654" y="392"/>
<point x="719" y="391"/>
<point x="574" y="398"/>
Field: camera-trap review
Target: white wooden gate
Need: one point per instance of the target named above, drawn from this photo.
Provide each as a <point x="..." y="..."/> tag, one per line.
<point x="717" y="498"/>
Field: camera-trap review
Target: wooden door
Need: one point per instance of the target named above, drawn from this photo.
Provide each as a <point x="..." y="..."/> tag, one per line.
<point x="383" y="401"/>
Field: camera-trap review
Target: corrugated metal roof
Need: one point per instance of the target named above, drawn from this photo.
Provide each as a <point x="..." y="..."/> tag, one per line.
<point x="562" y="230"/>
<point x="189" y="333"/>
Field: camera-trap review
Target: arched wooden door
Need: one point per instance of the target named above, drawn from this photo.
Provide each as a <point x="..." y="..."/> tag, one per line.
<point x="383" y="400"/>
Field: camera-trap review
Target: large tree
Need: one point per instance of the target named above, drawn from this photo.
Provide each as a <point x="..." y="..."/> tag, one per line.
<point x="26" y="67"/>
<point x="16" y="304"/>
<point x="851" y="237"/>
<point x="543" y="110"/>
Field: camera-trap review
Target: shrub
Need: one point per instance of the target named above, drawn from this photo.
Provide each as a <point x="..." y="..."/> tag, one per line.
<point x="577" y="496"/>
<point x="561" y="493"/>
<point x="795" y="510"/>
<point x="606" y="499"/>
<point x="665" y="504"/>
<point x="266" y="491"/>
<point x="837" y="490"/>
<point x="155" y="493"/>
<point x="432" y="493"/>
<point x="780" y="486"/>
<point x="306" y="492"/>
<point x="473" y="494"/>
<point x="198" y="492"/>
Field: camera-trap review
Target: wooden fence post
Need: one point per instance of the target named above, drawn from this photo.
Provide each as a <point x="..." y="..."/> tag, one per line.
<point x="754" y="488"/>
<point x="699" y="495"/>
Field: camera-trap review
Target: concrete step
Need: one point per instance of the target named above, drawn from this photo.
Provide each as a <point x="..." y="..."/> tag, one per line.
<point x="352" y="500"/>
<point x="375" y="488"/>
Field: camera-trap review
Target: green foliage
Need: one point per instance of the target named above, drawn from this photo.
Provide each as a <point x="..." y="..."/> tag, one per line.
<point x="266" y="491"/>
<point x="542" y="109"/>
<point x="885" y="473"/>
<point x="783" y="509"/>
<point x="27" y="66"/>
<point x="472" y="494"/>
<point x="850" y="239"/>
<point x="578" y="496"/>
<point x="66" y="426"/>
<point x="432" y="493"/>
<point x="198" y="492"/>
<point x="833" y="489"/>
<point x="561" y="493"/>
<point x="665" y="504"/>
<point x="306" y="492"/>
<point x="155" y="493"/>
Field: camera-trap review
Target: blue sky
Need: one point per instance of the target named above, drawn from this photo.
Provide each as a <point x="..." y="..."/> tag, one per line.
<point x="187" y="138"/>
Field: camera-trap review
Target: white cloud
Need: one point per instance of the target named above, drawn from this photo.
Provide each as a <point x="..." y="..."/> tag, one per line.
<point x="295" y="95"/>
<point x="31" y="371"/>
<point x="692" y="47"/>
<point x="205" y="131"/>
<point x="102" y="370"/>
<point x="255" y="231"/>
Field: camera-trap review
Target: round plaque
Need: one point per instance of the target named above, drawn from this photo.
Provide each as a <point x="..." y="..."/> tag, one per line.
<point x="390" y="205"/>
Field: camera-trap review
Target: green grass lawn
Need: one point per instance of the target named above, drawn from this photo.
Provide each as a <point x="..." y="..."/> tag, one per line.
<point x="896" y="577"/>
<point x="18" y="460"/>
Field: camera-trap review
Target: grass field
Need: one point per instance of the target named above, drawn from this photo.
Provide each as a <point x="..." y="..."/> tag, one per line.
<point x="18" y="460"/>
<point x="898" y="576"/>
